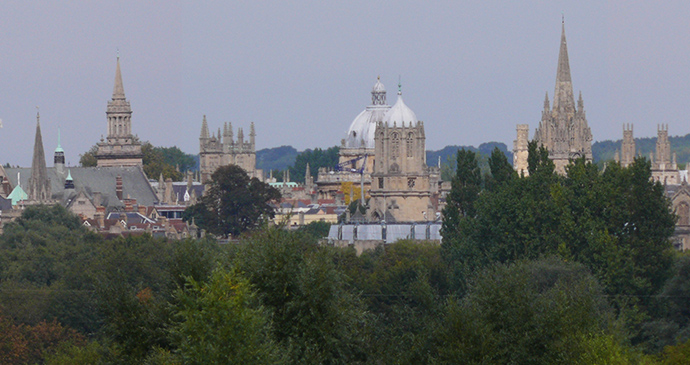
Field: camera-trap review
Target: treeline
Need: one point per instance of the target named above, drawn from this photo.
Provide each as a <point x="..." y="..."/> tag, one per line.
<point x="541" y="269"/>
<point x="605" y="150"/>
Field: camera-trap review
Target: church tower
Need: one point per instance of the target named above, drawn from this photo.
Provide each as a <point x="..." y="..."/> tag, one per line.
<point x="664" y="169"/>
<point x="39" y="184"/>
<point x="563" y="129"/>
<point x="627" y="147"/>
<point x="121" y="148"/>
<point x="401" y="187"/>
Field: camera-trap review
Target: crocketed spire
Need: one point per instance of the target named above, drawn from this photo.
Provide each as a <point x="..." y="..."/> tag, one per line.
<point x="563" y="96"/>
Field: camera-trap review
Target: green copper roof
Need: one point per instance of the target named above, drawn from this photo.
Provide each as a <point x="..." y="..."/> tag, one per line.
<point x="18" y="194"/>
<point x="59" y="147"/>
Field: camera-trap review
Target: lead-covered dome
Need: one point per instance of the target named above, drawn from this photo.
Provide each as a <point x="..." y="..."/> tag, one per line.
<point x="363" y="128"/>
<point x="400" y="114"/>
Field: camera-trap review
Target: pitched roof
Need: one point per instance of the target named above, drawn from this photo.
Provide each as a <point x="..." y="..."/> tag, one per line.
<point x="135" y="185"/>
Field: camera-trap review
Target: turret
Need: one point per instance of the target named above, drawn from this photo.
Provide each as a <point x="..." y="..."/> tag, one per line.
<point x="252" y="135"/>
<point x="59" y="158"/>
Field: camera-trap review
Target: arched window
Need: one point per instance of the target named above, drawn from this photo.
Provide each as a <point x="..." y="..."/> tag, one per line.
<point x="683" y="214"/>
<point x="410" y="144"/>
<point x="395" y="145"/>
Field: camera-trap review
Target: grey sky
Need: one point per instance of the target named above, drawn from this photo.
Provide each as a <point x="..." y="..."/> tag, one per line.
<point x="301" y="71"/>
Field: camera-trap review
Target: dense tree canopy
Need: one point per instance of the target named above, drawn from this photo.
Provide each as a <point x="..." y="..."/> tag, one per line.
<point x="233" y="203"/>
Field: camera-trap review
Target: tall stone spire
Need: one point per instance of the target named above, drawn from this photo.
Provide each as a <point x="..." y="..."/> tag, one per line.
<point x="563" y="129"/>
<point x="563" y="96"/>
<point x="121" y="148"/>
<point x="118" y="89"/>
<point x="39" y="185"/>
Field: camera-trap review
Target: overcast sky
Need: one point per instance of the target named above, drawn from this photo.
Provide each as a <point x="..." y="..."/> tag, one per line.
<point x="301" y="71"/>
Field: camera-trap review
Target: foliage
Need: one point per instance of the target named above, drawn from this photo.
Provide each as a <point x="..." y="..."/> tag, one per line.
<point x="528" y="312"/>
<point x="277" y="158"/>
<point x="404" y="287"/>
<point x="316" y="229"/>
<point x="316" y="159"/>
<point x="314" y="314"/>
<point x="88" y="158"/>
<point x="155" y="163"/>
<point x="223" y="322"/>
<point x="22" y="344"/>
<point x="465" y="188"/>
<point x="617" y="223"/>
<point x="169" y="161"/>
<point x="233" y="203"/>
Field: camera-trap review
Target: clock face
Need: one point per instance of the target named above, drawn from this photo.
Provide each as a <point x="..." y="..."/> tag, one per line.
<point x="410" y="183"/>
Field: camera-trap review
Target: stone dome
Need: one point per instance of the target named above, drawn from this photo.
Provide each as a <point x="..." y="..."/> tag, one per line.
<point x="400" y="113"/>
<point x="363" y="127"/>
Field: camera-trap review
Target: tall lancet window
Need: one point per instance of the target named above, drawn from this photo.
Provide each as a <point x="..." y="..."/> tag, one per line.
<point x="410" y="144"/>
<point x="395" y="145"/>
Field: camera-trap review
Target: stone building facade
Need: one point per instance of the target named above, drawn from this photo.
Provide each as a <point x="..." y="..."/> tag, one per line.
<point x="404" y="188"/>
<point x="121" y="147"/>
<point x="221" y="149"/>
<point x="563" y="128"/>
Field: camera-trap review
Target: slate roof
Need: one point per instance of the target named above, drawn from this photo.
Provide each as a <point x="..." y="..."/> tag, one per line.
<point x="135" y="185"/>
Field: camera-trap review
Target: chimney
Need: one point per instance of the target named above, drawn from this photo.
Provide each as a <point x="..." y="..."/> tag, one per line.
<point x="100" y="216"/>
<point x="6" y="186"/>
<point x="128" y="205"/>
<point x="118" y="187"/>
<point x="142" y="210"/>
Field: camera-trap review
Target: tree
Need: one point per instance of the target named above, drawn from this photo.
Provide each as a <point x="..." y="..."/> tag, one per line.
<point x="501" y="170"/>
<point x="314" y="314"/>
<point x="465" y="188"/>
<point x="529" y="312"/>
<point x="233" y="203"/>
<point x="223" y="322"/>
<point x="316" y="159"/>
<point x="88" y="158"/>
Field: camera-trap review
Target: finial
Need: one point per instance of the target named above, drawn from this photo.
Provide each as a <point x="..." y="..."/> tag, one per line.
<point x="399" y="85"/>
<point x="563" y="17"/>
<point x="38" y="114"/>
<point x="118" y="53"/>
<point x="378" y="78"/>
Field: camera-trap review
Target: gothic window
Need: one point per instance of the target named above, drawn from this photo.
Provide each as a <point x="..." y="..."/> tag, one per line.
<point x="395" y="145"/>
<point x="683" y="214"/>
<point x="380" y="183"/>
<point x="410" y="145"/>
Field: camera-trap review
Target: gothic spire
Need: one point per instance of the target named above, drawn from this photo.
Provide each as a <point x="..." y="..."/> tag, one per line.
<point x="39" y="185"/>
<point x="118" y="89"/>
<point x="563" y="96"/>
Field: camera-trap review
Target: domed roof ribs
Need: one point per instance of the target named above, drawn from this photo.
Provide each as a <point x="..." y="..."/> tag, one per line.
<point x="563" y="96"/>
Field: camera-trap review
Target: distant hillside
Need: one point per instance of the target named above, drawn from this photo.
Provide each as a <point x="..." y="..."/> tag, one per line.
<point x="604" y="150"/>
<point x="277" y="158"/>
<point x="484" y="149"/>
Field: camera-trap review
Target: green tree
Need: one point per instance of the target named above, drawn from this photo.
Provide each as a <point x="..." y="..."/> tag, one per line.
<point x="314" y="314"/>
<point x="465" y="188"/>
<point x="525" y="313"/>
<point x="501" y="170"/>
<point x="233" y="203"/>
<point x="88" y="158"/>
<point x="316" y="159"/>
<point x="223" y="322"/>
